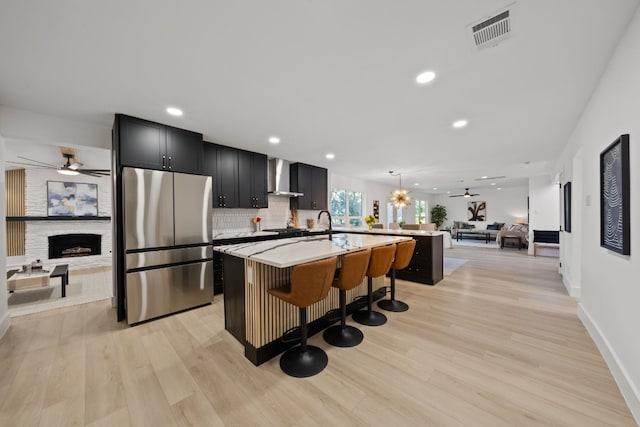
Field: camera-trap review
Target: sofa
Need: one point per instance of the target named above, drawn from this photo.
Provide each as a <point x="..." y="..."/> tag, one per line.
<point x="514" y="230"/>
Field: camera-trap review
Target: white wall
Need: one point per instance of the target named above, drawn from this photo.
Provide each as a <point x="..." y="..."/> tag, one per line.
<point x="609" y="285"/>
<point x="544" y="205"/>
<point x="4" y="310"/>
<point x="504" y="205"/>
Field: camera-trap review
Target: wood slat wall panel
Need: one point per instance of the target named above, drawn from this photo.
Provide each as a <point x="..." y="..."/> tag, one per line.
<point x="268" y="317"/>
<point x="15" y="206"/>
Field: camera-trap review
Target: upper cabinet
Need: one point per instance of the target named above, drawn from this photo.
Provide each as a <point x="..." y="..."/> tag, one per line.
<point x="150" y="145"/>
<point x="312" y="181"/>
<point x="239" y="177"/>
<point x="252" y="179"/>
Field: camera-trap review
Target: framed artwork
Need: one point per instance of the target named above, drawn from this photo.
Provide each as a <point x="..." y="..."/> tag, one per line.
<point x="615" y="193"/>
<point x="477" y="211"/>
<point x="72" y="199"/>
<point x="376" y="210"/>
<point x="567" y="207"/>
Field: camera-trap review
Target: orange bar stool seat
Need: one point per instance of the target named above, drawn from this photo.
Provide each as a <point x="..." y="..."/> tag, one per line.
<point x="352" y="272"/>
<point x="310" y="283"/>
<point x="379" y="265"/>
<point x="404" y="252"/>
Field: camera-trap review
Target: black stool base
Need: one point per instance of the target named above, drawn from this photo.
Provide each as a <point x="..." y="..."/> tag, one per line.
<point x="303" y="363"/>
<point x="339" y="337"/>
<point x="393" y="305"/>
<point x="369" y="318"/>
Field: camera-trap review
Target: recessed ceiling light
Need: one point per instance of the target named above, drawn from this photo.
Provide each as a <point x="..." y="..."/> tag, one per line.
<point x="174" y="111"/>
<point x="435" y="188"/>
<point x="493" y="183"/>
<point x="330" y="156"/>
<point x="499" y="188"/>
<point x="416" y="183"/>
<point x="484" y="177"/>
<point x="459" y="123"/>
<point x="425" y="77"/>
<point x="448" y="192"/>
<point x="274" y="140"/>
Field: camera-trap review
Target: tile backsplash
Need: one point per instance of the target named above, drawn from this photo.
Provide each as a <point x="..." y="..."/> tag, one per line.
<point x="241" y="220"/>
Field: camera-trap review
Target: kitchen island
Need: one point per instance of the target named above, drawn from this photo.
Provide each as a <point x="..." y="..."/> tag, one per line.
<point x="426" y="265"/>
<point x="259" y="320"/>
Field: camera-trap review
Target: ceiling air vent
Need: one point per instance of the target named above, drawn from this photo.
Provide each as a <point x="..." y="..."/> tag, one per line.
<point x="490" y="32"/>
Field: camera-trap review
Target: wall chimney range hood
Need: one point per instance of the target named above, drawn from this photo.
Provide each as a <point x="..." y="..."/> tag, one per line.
<point x="278" y="178"/>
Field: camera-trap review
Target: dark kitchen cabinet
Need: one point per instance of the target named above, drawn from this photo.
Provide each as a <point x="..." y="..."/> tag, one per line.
<point x="234" y="296"/>
<point x="221" y="163"/>
<point x="239" y="176"/>
<point x="312" y="181"/>
<point x="252" y="180"/>
<point x="184" y="151"/>
<point x="149" y="145"/>
<point x="426" y="265"/>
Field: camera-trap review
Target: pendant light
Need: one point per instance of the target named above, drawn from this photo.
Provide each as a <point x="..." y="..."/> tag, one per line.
<point x="400" y="197"/>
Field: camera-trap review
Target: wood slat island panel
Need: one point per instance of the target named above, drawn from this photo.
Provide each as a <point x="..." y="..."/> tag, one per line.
<point x="259" y="320"/>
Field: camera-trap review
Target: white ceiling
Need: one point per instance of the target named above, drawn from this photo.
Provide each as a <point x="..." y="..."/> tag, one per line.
<point x="325" y="76"/>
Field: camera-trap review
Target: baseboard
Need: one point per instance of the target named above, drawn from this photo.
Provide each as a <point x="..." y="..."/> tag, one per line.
<point x="4" y="324"/>
<point x="630" y="392"/>
<point x="573" y="291"/>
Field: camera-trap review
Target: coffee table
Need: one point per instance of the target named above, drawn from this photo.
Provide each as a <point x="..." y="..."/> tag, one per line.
<point x="474" y="234"/>
<point x="20" y="280"/>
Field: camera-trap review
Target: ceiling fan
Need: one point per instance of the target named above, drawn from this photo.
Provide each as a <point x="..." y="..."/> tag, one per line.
<point x="466" y="194"/>
<point x="67" y="168"/>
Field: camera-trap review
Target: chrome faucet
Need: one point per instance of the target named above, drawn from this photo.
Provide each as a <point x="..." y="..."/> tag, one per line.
<point x="329" y="216"/>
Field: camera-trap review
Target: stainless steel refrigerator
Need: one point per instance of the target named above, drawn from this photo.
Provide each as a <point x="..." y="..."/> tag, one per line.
<point x="167" y="241"/>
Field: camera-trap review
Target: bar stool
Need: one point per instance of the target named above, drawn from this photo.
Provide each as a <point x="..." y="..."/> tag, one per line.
<point x="404" y="252"/>
<point x="379" y="265"/>
<point x="310" y="283"/>
<point x="354" y="267"/>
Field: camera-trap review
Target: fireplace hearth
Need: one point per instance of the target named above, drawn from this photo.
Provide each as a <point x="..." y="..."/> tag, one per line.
<point x="74" y="245"/>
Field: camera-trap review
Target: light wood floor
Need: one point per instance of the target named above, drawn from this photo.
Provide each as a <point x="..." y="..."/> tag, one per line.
<point x="497" y="343"/>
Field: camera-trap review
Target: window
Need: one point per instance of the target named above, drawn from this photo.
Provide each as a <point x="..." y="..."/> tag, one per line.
<point x="421" y="211"/>
<point x="346" y="207"/>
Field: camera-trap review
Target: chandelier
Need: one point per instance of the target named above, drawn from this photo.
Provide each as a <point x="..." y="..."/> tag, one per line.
<point x="400" y="197"/>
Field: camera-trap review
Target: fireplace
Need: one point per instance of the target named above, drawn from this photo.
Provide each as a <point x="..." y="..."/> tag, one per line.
<point x="74" y="245"/>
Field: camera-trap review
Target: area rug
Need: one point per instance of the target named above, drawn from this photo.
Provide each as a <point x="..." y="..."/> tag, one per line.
<point x="84" y="286"/>
<point x="452" y="264"/>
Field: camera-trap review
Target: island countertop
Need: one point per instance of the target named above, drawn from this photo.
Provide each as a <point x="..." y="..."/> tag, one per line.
<point x="446" y="236"/>
<point x="284" y="253"/>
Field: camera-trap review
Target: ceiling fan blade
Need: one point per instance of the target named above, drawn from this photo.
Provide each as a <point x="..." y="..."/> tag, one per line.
<point x="83" y="172"/>
<point x="29" y="164"/>
<point x="37" y="161"/>
<point x="101" y="172"/>
<point x="457" y="195"/>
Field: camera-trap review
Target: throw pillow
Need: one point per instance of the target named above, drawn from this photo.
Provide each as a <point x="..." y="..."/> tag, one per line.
<point x="492" y="227"/>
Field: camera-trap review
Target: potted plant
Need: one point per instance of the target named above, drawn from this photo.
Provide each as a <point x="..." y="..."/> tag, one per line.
<point x="438" y="215"/>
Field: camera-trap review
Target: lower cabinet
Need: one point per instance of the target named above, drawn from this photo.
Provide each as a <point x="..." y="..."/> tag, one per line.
<point x="234" y="296"/>
<point x="427" y="263"/>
